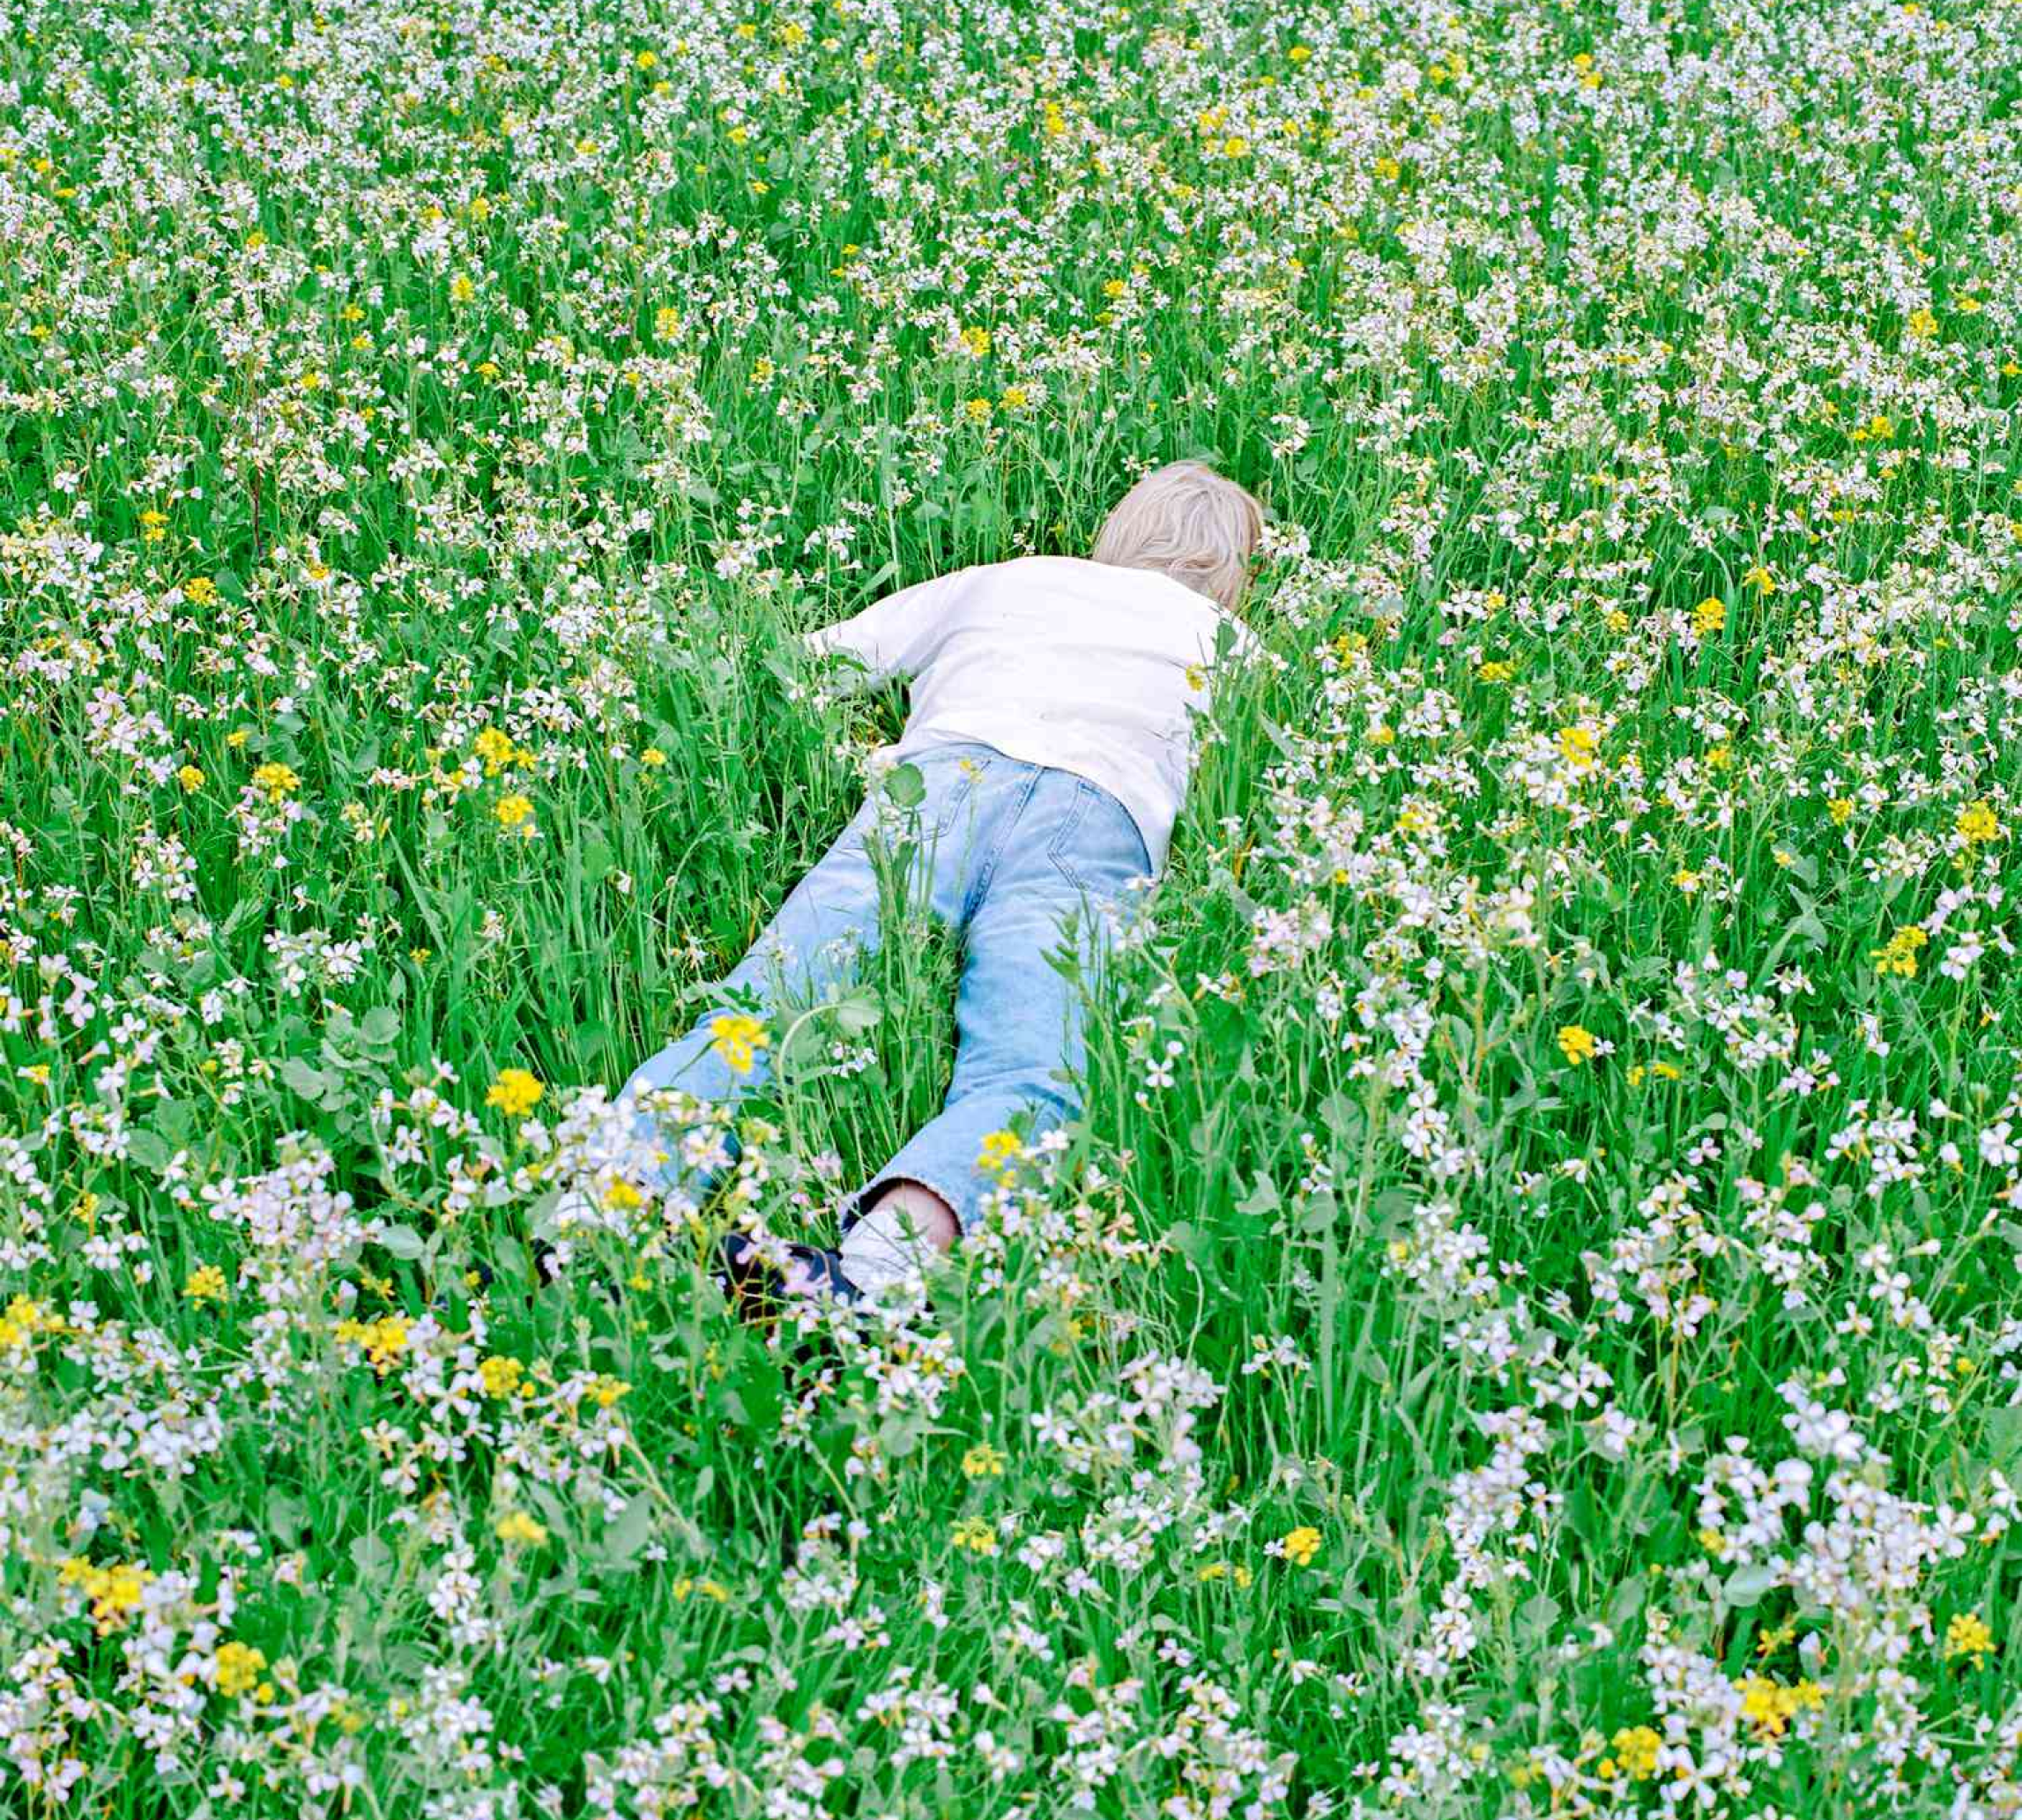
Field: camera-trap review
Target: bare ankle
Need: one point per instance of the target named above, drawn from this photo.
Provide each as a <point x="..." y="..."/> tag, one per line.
<point x="931" y="1219"/>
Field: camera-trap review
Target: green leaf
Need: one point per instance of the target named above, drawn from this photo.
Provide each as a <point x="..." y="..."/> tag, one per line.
<point x="145" y="1150"/>
<point x="404" y="1242"/>
<point x="1626" y="1600"/>
<point x="2003" y="1432"/>
<point x="373" y="1559"/>
<point x="287" y="1516"/>
<point x="904" y="785"/>
<point x="1344" y="1118"/>
<point x="1261" y="1200"/>
<point x="1746" y="1585"/>
<point x="1536" y="1616"/>
<point x="861" y="1011"/>
<point x="629" y="1531"/>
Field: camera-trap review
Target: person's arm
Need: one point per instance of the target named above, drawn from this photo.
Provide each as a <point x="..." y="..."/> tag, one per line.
<point x="893" y="638"/>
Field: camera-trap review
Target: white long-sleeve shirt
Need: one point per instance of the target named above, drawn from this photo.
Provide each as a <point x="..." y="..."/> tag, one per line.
<point x="1054" y="660"/>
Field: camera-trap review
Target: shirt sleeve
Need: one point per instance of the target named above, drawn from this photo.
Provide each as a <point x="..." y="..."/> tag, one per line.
<point x="895" y="638"/>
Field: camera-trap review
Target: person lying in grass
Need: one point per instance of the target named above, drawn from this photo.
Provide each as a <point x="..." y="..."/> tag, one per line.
<point x="1050" y="723"/>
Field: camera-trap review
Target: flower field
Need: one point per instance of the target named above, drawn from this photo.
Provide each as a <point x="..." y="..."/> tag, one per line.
<point x="1529" y="1323"/>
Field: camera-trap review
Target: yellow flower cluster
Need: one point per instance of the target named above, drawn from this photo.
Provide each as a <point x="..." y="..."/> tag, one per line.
<point x="113" y="1591"/>
<point x="1968" y="1635"/>
<point x="1899" y="956"/>
<point x="973" y="1534"/>
<point x="383" y="1341"/>
<point x="999" y="1154"/>
<point x="1635" y="1755"/>
<point x="238" y="1666"/>
<point x="276" y="782"/>
<point x="1300" y="1545"/>
<point x="22" y="1320"/>
<point x="736" y="1039"/>
<point x="1977" y="823"/>
<point x="516" y="1093"/>
<point x="1770" y="1706"/>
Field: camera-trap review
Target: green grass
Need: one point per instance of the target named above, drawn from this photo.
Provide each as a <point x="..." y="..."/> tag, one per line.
<point x="1385" y="1405"/>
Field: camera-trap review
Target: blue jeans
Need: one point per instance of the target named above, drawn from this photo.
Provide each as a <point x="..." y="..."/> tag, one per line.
<point x="1012" y="850"/>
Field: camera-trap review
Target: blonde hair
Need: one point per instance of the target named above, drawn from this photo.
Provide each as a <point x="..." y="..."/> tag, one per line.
<point x="1186" y="520"/>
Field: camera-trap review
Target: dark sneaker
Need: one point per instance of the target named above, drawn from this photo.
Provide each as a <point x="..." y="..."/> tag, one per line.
<point x="759" y="1291"/>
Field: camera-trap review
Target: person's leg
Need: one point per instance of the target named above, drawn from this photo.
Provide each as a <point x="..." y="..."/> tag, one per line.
<point x="1018" y="1019"/>
<point x="909" y="1225"/>
<point x="827" y="922"/>
<point x="822" y="931"/>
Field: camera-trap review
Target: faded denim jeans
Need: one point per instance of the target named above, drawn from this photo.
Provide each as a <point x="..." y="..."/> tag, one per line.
<point x="1013" y="849"/>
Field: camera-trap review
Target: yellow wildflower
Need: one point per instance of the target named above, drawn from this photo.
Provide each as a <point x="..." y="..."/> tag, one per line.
<point x="1977" y="822"/>
<point x="238" y="1667"/>
<point x="1000" y="1154"/>
<point x="1636" y="1749"/>
<point x="1769" y="1706"/>
<point x="277" y="780"/>
<point x="515" y="1093"/>
<point x="1899" y="957"/>
<point x="737" y="1038"/>
<point x="1968" y="1635"/>
<point x="383" y="1341"/>
<point x="1300" y="1545"/>
<point x="113" y="1591"/>
<point x="973" y="1534"/>
<point x="501" y="1375"/>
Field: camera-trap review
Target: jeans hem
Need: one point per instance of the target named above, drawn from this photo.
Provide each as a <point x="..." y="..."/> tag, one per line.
<point x="965" y="1206"/>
